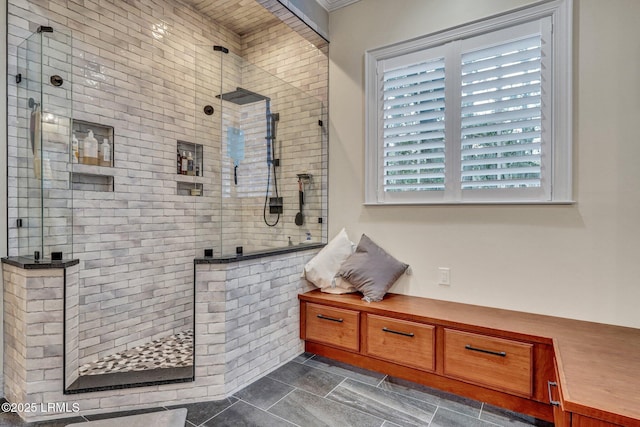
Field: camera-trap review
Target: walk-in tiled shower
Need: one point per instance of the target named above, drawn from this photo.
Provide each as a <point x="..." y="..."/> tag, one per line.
<point x="129" y="153"/>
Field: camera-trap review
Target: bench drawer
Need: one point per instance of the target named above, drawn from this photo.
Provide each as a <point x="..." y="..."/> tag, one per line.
<point x="497" y="363"/>
<point x="333" y="326"/>
<point x="400" y="341"/>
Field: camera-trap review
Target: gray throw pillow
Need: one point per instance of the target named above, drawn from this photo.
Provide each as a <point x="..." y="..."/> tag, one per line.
<point x="371" y="270"/>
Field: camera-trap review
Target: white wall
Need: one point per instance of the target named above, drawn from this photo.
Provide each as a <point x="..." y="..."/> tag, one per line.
<point x="578" y="261"/>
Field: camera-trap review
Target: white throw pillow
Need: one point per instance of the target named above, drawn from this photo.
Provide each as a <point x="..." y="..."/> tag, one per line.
<point x="322" y="268"/>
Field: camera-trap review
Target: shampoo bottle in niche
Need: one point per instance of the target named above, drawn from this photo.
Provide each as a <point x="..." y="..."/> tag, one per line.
<point x="190" y="170"/>
<point x="75" y="149"/>
<point x="105" y="153"/>
<point x="90" y="149"/>
<point x="185" y="164"/>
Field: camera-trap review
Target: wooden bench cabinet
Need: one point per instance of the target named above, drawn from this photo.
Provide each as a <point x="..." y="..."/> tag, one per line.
<point x="564" y="418"/>
<point x="459" y="358"/>
<point x="502" y="357"/>
<point x="561" y="418"/>
<point x="578" y="420"/>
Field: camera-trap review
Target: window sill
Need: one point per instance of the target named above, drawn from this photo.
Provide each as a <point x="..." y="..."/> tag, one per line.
<point x="476" y="203"/>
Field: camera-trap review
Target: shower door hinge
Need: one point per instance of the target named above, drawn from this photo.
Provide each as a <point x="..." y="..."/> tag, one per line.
<point x="18" y="78"/>
<point x="320" y="123"/>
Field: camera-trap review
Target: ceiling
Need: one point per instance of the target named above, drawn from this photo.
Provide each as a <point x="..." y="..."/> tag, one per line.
<point x="245" y="16"/>
<point x="241" y="16"/>
<point x="331" y="5"/>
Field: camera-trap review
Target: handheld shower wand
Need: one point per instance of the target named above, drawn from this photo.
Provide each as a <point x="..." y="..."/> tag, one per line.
<point x="270" y="136"/>
<point x="272" y="118"/>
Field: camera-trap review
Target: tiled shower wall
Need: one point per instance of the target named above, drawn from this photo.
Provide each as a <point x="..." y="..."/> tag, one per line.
<point x="247" y="326"/>
<point x="135" y="70"/>
<point x="261" y="314"/>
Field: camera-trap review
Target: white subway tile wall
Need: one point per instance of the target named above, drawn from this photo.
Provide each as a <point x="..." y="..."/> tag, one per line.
<point x="33" y="332"/>
<point x="247" y="317"/>
<point x="72" y="327"/>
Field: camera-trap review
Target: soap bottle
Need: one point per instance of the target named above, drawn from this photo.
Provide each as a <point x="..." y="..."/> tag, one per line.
<point x="105" y="153"/>
<point x="184" y="165"/>
<point x="90" y="145"/>
<point x="75" y="150"/>
<point x="190" y="170"/>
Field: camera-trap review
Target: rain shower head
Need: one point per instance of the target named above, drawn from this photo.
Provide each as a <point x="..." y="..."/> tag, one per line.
<point x="242" y="96"/>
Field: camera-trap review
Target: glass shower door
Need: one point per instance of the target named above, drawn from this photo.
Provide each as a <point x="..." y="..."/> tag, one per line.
<point x="264" y="157"/>
<point x="208" y="124"/>
<point x="41" y="207"/>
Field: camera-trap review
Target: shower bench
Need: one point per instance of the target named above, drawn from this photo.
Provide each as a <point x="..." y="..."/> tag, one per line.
<point x="571" y="372"/>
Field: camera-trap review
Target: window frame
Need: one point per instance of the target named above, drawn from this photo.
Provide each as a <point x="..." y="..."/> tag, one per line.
<point x="558" y="169"/>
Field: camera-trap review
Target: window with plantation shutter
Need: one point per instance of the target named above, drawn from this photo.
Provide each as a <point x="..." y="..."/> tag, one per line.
<point x="501" y="116"/>
<point x="414" y="126"/>
<point x="479" y="114"/>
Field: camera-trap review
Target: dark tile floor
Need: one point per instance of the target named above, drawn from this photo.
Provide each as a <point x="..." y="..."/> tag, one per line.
<point x="314" y="391"/>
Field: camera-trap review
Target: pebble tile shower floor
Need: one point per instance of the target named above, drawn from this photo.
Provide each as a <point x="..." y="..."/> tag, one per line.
<point x="314" y="391"/>
<point x="174" y="351"/>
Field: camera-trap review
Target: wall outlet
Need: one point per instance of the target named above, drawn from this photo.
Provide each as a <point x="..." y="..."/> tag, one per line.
<point x="444" y="276"/>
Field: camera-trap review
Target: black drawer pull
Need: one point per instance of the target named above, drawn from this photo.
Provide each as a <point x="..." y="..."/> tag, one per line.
<point x="391" y="331"/>
<point x="481" y="350"/>
<point x="549" y="385"/>
<point x="333" y="319"/>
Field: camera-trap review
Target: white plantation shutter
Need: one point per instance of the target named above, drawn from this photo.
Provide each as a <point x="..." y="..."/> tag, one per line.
<point x="477" y="114"/>
<point x="501" y="109"/>
<point x="413" y="125"/>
